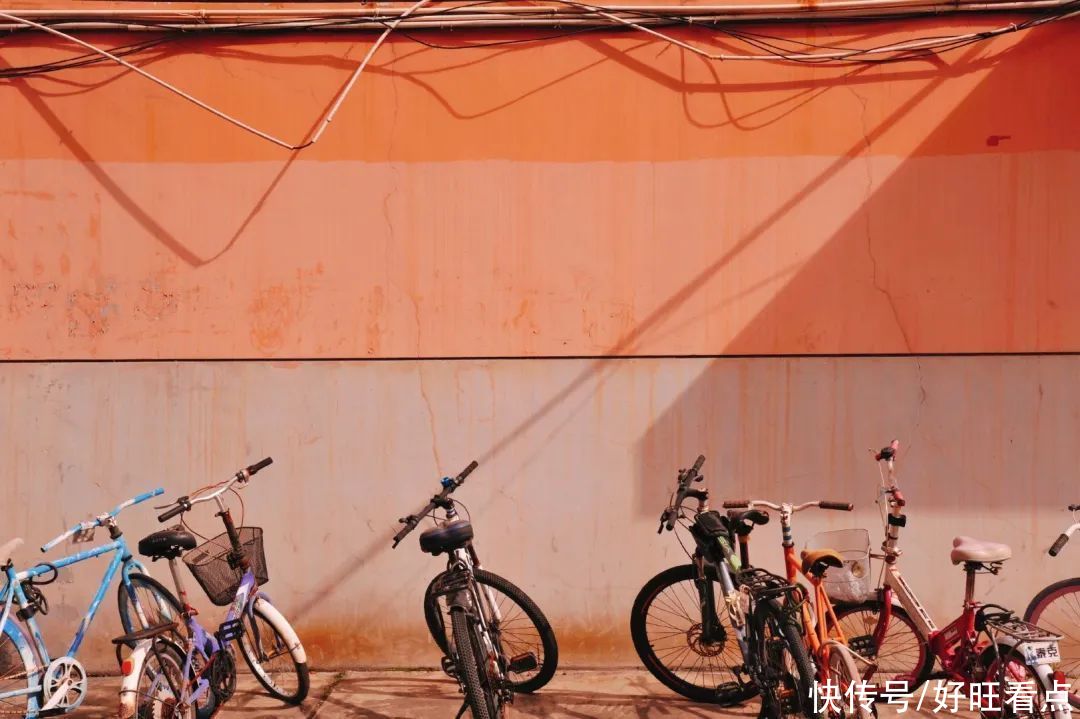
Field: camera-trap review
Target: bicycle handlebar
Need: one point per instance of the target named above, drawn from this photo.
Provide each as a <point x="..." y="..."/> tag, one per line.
<point x="1061" y="540"/>
<point x="821" y="504"/>
<point x="449" y="485"/>
<point x="101" y="519"/>
<point x="1074" y="507"/>
<point x="185" y="503"/>
<point x="686" y="478"/>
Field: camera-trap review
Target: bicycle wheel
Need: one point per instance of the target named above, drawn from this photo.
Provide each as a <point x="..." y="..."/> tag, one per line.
<point x="1057" y="609"/>
<point x="783" y="654"/>
<point x="16" y="673"/>
<point x="478" y="695"/>
<point x="156" y="604"/>
<point x="903" y="652"/>
<point x="665" y="624"/>
<point x="523" y="628"/>
<point x="1007" y="667"/>
<point x="160" y="687"/>
<point x="280" y="668"/>
<point x="843" y="673"/>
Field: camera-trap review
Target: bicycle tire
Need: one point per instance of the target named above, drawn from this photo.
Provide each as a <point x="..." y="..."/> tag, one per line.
<point x="842" y="665"/>
<point x="770" y="618"/>
<point x="901" y="636"/>
<point x="653" y="659"/>
<point x="279" y="643"/>
<point x="1068" y="590"/>
<point x="18" y="671"/>
<point x="548" y="654"/>
<point x="1008" y="659"/>
<point x="477" y="696"/>
<point x="151" y="705"/>
<point x="128" y="619"/>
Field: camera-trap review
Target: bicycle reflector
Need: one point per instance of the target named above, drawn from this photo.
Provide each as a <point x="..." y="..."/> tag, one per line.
<point x="127" y="666"/>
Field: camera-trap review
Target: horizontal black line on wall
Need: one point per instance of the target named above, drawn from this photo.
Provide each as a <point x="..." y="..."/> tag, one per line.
<point x="521" y="358"/>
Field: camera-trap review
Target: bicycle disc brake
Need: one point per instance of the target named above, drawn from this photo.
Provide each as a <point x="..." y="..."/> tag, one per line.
<point x="223" y="676"/>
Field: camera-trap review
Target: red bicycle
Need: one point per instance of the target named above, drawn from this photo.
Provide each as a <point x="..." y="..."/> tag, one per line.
<point x="986" y="645"/>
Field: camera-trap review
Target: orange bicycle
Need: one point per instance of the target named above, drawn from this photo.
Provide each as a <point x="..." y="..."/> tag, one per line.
<point x="837" y="666"/>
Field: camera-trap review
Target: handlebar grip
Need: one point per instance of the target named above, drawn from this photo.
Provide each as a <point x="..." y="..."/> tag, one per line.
<point x="737" y="504"/>
<point x="889" y="452"/>
<point x="261" y="464"/>
<point x="1074" y="507"/>
<point x="166" y="516"/>
<point x="468" y="470"/>
<point x="1058" y="545"/>
<point x="842" y="506"/>
<point x="697" y="465"/>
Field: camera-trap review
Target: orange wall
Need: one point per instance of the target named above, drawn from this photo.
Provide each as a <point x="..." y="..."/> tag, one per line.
<point x="607" y="194"/>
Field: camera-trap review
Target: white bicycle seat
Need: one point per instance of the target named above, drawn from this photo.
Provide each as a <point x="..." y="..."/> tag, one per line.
<point x="9" y="548"/>
<point x="969" y="549"/>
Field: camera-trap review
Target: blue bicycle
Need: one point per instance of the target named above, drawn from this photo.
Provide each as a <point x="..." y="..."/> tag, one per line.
<point x="31" y="682"/>
<point x="191" y="678"/>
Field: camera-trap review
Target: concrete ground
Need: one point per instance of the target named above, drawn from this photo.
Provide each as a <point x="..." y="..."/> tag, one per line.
<point x="573" y="694"/>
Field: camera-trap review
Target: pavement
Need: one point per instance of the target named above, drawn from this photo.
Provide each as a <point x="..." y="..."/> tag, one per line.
<point x="572" y="694"/>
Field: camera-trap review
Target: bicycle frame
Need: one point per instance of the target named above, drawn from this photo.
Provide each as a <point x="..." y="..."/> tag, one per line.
<point x="13" y="594"/>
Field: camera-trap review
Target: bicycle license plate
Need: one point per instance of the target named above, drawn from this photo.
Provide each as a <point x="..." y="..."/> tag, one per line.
<point x="1041" y="653"/>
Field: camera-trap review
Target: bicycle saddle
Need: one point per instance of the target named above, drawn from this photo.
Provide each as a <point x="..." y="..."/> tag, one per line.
<point x="815" y="562"/>
<point x="167" y="543"/>
<point x="968" y="549"/>
<point x="742" y="521"/>
<point x="446" y="538"/>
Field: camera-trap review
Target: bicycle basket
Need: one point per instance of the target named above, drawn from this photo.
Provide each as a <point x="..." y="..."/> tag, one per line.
<point x="854" y="581"/>
<point x="209" y="563"/>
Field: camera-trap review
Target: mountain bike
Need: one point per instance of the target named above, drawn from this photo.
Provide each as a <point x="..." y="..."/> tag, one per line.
<point x="31" y="682"/>
<point x="837" y="665"/>
<point x="180" y="675"/>
<point x="497" y="641"/>
<point x="725" y="645"/>
<point x="1057" y="609"/>
<point x="986" y="645"/>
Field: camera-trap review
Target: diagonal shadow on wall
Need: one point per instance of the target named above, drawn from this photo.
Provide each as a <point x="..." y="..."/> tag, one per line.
<point x="963" y="246"/>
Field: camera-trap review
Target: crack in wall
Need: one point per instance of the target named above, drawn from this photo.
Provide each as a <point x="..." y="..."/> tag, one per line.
<point x="864" y="102"/>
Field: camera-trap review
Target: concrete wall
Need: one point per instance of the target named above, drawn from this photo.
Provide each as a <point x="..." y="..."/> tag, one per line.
<point x="587" y="198"/>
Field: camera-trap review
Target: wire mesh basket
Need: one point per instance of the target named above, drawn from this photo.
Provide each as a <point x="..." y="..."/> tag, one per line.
<point x="852" y="582"/>
<point x="209" y="563"/>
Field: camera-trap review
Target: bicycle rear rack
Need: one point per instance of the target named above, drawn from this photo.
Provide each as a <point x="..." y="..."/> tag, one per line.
<point x="1022" y="631"/>
<point x="766" y="585"/>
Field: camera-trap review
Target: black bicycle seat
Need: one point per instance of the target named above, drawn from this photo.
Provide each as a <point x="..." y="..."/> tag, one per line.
<point x="167" y="543"/>
<point x="446" y="538"/>
<point x="742" y="521"/>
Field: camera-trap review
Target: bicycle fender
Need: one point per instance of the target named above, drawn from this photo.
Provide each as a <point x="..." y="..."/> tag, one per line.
<point x="129" y="685"/>
<point x="282" y="625"/>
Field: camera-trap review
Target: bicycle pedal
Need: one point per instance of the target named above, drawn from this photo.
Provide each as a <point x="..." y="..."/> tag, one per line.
<point x="230" y="631"/>
<point x="729" y="693"/>
<point x="448" y="667"/>
<point x="863" y="645"/>
<point x="525" y="662"/>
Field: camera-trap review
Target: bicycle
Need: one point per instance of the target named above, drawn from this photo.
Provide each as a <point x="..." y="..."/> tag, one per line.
<point x="1057" y="609"/>
<point x="986" y="644"/>
<point x="759" y="613"/>
<point x="32" y="682"/>
<point x="837" y="664"/>
<point x="166" y="677"/>
<point x="484" y="647"/>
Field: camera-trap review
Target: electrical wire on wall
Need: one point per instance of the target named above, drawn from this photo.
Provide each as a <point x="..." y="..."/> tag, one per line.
<point x="569" y="17"/>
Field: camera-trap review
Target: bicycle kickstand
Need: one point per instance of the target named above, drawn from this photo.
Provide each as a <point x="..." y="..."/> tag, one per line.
<point x="464" y="708"/>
